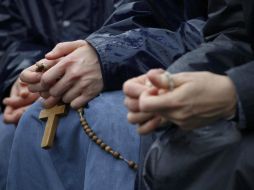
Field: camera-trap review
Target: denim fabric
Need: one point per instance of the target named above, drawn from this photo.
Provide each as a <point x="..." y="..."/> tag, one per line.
<point x="75" y="162"/>
<point x="6" y="137"/>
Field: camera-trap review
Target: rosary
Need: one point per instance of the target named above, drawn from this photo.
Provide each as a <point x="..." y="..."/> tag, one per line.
<point x="52" y="115"/>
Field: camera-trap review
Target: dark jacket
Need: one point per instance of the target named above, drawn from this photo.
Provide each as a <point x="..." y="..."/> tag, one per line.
<point x="213" y="157"/>
<point x="142" y="35"/>
<point x="227" y="51"/>
<point x="28" y="29"/>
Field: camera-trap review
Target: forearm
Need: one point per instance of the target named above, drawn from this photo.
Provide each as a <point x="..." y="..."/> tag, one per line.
<point x="137" y="51"/>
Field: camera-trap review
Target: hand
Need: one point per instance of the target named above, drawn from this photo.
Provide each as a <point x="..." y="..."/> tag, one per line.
<point x="133" y="88"/>
<point x="32" y="78"/>
<point x="198" y="99"/>
<point x="75" y="79"/>
<point x="20" y="98"/>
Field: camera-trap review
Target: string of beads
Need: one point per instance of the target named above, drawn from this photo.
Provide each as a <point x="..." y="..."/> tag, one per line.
<point x="40" y="67"/>
<point x="92" y="135"/>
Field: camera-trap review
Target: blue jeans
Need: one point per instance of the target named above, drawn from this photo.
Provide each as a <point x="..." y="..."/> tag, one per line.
<point x="6" y="136"/>
<point x="75" y="162"/>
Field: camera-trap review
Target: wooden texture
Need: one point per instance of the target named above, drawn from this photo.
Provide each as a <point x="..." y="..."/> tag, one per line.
<point x="52" y="116"/>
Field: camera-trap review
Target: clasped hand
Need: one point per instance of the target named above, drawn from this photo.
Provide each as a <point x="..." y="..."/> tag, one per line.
<point x="73" y="75"/>
<point x="198" y="99"/>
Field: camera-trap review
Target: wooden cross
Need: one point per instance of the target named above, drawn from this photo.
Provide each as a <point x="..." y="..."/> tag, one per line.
<point x="52" y="116"/>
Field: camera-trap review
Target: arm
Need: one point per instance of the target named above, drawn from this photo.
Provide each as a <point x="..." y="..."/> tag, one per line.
<point x="226" y="52"/>
<point x="132" y="42"/>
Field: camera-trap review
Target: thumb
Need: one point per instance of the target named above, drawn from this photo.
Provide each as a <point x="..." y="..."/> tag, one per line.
<point x="65" y="48"/>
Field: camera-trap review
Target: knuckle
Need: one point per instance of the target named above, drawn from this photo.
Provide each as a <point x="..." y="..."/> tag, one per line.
<point x="66" y="100"/>
<point x="82" y="42"/>
<point x="54" y="92"/>
<point x="59" y="45"/>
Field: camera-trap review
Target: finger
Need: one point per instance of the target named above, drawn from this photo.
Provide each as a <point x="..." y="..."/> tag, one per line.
<point x="61" y="86"/>
<point x="134" y="89"/>
<point x="149" y="126"/>
<point x="132" y="104"/>
<point x="37" y="87"/>
<point x="45" y="95"/>
<point x="14" y="101"/>
<point x="52" y="75"/>
<point x="163" y="80"/>
<point x="51" y="102"/>
<point x="17" y="102"/>
<point x="139" y="117"/>
<point x="64" y="48"/>
<point x="23" y="91"/>
<point x="80" y="102"/>
<point x="72" y="94"/>
<point x="30" y="76"/>
<point x="148" y="102"/>
<point x="14" y="115"/>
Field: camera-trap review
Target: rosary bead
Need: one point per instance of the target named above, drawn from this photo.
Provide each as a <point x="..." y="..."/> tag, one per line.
<point x="94" y="138"/>
<point x="132" y="165"/>
<point x="108" y="149"/>
<point x="88" y="130"/>
<point x="116" y="154"/>
<point x="84" y="123"/>
<point x="98" y="141"/>
<point x="103" y="145"/>
<point x="86" y="127"/>
<point x="91" y="134"/>
<point x="82" y="120"/>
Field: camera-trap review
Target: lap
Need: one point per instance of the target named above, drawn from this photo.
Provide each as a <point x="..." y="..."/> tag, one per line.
<point x="6" y="136"/>
<point x="75" y="162"/>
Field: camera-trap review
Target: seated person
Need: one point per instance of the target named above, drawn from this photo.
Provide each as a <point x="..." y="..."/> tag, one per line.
<point x="79" y="79"/>
<point x="211" y="105"/>
<point x="26" y="35"/>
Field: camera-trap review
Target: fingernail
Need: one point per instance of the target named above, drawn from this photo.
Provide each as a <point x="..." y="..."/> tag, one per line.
<point x="49" y="53"/>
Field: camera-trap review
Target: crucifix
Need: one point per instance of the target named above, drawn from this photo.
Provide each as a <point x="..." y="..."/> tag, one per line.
<point x="52" y="116"/>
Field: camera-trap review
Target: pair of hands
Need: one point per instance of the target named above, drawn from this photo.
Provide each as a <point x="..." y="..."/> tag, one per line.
<point x="19" y="100"/>
<point x="73" y="76"/>
<point x="198" y="99"/>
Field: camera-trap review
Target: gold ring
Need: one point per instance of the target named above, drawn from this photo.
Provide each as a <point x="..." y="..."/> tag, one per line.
<point x="171" y="82"/>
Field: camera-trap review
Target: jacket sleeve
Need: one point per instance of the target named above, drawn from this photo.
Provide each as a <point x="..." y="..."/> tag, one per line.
<point x="226" y="51"/>
<point x="19" y="49"/>
<point x="133" y="41"/>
